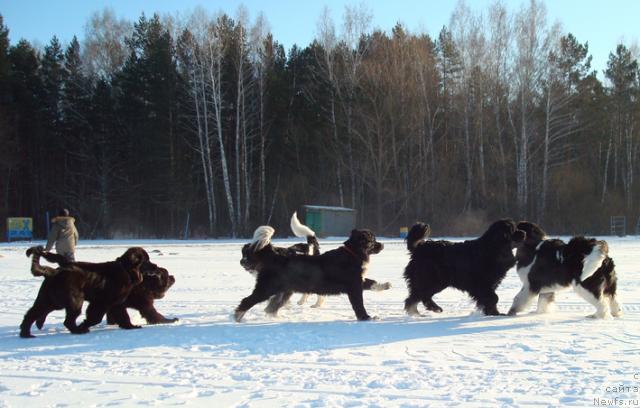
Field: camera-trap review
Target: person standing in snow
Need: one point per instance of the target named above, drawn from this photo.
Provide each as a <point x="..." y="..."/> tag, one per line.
<point x="64" y="234"/>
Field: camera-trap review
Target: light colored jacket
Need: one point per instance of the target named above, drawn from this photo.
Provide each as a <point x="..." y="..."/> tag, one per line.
<point x="64" y="234"/>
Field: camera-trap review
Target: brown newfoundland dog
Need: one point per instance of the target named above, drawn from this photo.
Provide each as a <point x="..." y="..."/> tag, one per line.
<point x="156" y="281"/>
<point x="103" y="285"/>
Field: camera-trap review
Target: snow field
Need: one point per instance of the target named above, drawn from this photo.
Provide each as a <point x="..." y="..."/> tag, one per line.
<point x="317" y="357"/>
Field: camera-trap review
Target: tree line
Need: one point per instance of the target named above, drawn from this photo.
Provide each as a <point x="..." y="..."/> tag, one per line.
<point x="208" y="118"/>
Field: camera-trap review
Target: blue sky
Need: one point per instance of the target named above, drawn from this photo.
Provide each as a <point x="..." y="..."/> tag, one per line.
<point x="603" y="23"/>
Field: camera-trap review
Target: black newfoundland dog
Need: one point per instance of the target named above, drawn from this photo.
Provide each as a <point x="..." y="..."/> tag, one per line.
<point x="476" y="266"/>
<point x="335" y="272"/>
<point x="546" y="266"/>
<point x="103" y="285"/>
<point x="156" y="281"/>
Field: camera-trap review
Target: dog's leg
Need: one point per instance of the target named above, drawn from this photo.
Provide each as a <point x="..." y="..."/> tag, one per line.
<point x="38" y="309"/>
<point x="487" y="301"/>
<point x="428" y="302"/>
<point x="427" y="297"/>
<point x="611" y="286"/>
<point x="596" y="299"/>
<point x="277" y="302"/>
<point x="72" y="313"/>
<point x="94" y="314"/>
<point x="319" y="301"/>
<point x="152" y="316"/>
<point x="41" y="320"/>
<point x="522" y="300"/>
<point x="273" y="301"/>
<point x="27" y="322"/>
<point x="45" y="309"/>
<point x="370" y="284"/>
<point x="411" y="305"/>
<point x="357" y="303"/>
<point x="303" y="299"/>
<point x="546" y="302"/>
<point x="118" y="315"/>
<point x="260" y="293"/>
<point x="616" y="309"/>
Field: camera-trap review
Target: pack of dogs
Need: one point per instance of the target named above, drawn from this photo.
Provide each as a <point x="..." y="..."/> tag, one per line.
<point x="477" y="267"/>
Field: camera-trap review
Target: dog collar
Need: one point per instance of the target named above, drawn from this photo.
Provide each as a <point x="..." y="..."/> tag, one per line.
<point x="349" y="250"/>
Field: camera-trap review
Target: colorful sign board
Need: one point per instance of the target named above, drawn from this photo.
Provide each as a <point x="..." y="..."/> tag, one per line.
<point x="19" y="228"/>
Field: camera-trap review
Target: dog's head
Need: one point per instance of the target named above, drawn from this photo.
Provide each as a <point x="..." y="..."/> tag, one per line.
<point x="250" y="260"/>
<point x="134" y="258"/>
<point x="584" y="256"/>
<point x="156" y="281"/>
<point x="251" y="252"/>
<point x="534" y="234"/>
<point x="505" y="232"/>
<point x="364" y="243"/>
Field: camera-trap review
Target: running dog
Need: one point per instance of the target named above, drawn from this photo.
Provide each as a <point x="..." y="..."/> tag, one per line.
<point x="104" y="285"/>
<point x="334" y="272"/>
<point x="476" y="266"/>
<point x="546" y="266"/>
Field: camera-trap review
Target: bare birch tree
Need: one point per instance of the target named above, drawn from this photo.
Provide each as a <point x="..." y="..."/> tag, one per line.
<point x="326" y="37"/>
<point x="214" y="59"/>
<point x="529" y="59"/>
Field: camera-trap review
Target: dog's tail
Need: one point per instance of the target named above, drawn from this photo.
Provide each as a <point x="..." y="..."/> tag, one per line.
<point x="36" y="269"/>
<point x="262" y="237"/>
<point x="593" y="262"/>
<point x="55" y="258"/>
<point x="301" y="230"/>
<point x="417" y="234"/>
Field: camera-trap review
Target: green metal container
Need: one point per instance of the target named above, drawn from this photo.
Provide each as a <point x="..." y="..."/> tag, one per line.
<point x="330" y="221"/>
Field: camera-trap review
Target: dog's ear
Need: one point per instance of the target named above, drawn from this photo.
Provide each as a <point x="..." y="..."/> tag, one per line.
<point x="135" y="256"/>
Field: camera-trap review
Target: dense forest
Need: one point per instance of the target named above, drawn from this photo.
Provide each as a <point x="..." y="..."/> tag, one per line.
<point x="143" y="125"/>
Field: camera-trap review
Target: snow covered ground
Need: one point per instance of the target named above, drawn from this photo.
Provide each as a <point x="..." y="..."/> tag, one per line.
<point x="317" y="357"/>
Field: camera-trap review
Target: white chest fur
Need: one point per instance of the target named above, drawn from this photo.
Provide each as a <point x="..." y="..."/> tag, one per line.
<point x="365" y="269"/>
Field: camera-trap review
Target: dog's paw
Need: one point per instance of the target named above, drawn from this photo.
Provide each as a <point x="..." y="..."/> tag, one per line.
<point x="619" y="313"/>
<point x="512" y="312"/>
<point x="413" y="311"/>
<point x="26" y="335"/>
<point x="166" y="321"/>
<point x="238" y="315"/>
<point x="318" y="303"/>
<point x="80" y="330"/>
<point x="597" y="316"/>
<point x="379" y="287"/>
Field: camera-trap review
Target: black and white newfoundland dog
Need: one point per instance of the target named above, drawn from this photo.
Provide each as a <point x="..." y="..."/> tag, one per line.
<point x="546" y="266"/>
<point x="475" y="266"/>
<point x="334" y="272"/>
